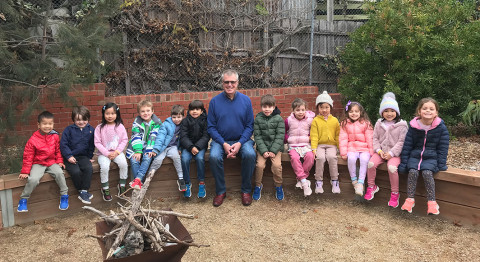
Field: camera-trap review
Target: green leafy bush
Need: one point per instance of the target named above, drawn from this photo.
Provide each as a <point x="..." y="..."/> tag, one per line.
<point x="416" y="49"/>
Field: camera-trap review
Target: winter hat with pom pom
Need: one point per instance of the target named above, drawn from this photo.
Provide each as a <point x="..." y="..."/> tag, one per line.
<point x="389" y="101"/>
<point x="324" y="98"/>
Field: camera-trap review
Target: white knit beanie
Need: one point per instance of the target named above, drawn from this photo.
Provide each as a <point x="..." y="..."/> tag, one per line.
<point x="389" y="101"/>
<point x="324" y="98"/>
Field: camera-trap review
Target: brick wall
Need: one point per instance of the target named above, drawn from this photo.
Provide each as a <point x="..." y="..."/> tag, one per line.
<point x="93" y="97"/>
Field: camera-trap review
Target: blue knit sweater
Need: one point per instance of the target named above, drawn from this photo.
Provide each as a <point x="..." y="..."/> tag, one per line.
<point x="230" y="120"/>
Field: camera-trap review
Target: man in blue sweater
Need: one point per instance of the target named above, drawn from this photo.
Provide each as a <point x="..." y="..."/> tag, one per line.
<point x="230" y="124"/>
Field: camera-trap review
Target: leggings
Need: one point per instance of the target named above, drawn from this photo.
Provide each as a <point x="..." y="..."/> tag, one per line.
<point x="427" y="178"/>
<point x="352" y="165"/>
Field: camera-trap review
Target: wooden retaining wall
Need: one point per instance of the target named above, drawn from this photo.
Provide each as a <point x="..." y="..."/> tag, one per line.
<point x="457" y="191"/>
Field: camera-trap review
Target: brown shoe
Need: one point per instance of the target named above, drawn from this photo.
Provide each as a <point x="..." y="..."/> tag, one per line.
<point x="246" y="199"/>
<point x="218" y="200"/>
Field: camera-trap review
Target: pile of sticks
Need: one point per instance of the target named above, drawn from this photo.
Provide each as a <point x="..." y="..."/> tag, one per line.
<point x="134" y="224"/>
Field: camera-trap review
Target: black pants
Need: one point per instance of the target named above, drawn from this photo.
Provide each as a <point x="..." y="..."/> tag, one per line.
<point x="81" y="172"/>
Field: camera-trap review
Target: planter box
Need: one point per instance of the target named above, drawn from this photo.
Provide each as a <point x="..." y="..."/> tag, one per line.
<point x="169" y="253"/>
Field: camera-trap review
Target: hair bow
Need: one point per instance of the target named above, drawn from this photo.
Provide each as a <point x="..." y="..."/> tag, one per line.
<point x="348" y="104"/>
<point x="104" y="107"/>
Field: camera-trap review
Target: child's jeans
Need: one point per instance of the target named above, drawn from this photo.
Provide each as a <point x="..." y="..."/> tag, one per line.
<point x="80" y="172"/>
<point x="139" y="168"/>
<point x="302" y="170"/>
<point x="104" y="163"/>
<point x="328" y="153"/>
<point x="199" y="160"/>
<point x="170" y="152"/>
<point x="392" y="164"/>
<point x="276" y="169"/>
<point x="352" y="165"/>
<point x="37" y="173"/>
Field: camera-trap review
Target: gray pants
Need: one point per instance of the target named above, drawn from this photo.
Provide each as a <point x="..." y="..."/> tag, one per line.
<point x="104" y="163"/>
<point x="37" y="173"/>
<point x="171" y="152"/>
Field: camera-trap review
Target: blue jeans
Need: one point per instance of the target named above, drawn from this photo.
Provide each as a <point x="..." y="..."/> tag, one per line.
<point x="248" y="156"/>
<point x="199" y="160"/>
<point x="139" y="168"/>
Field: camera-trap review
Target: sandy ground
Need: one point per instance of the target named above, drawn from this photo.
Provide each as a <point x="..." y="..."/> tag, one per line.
<point x="297" y="229"/>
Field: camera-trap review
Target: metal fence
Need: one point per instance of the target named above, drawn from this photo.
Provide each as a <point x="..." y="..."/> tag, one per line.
<point x="184" y="45"/>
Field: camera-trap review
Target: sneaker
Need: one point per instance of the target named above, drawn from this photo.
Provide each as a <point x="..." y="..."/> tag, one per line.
<point x="433" y="208"/>
<point x="63" y="202"/>
<point x="136" y="184"/>
<point x="319" y="187"/>
<point x="371" y="190"/>
<point x="90" y="196"/>
<point x="188" y="190"/>
<point x="202" y="192"/>
<point x="394" y="200"/>
<point x="106" y="194"/>
<point x="335" y="186"/>
<point x="121" y="189"/>
<point x="181" y="185"/>
<point x="257" y="192"/>
<point x="83" y="196"/>
<point x="299" y="184"/>
<point x="408" y="205"/>
<point x="306" y="188"/>
<point x="22" y="205"/>
<point x="358" y="189"/>
<point x="279" y="193"/>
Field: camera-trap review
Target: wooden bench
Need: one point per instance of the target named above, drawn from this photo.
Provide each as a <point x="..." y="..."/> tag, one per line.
<point x="457" y="191"/>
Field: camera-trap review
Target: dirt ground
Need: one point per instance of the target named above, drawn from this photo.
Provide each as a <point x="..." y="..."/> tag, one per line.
<point x="296" y="229"/>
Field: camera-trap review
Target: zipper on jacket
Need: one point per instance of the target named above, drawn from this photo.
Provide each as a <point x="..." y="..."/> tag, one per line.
<point x="423" y="150"/>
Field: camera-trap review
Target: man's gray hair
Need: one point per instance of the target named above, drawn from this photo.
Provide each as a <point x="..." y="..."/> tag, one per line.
<point x="229" y="72"/>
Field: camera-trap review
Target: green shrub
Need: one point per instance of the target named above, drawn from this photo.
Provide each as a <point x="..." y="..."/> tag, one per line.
<point x="416" y="49"/>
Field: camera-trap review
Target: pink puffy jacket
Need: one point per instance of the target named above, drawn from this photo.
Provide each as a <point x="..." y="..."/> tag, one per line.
<point x="297" y="132"/>
<point x="356" y="137"/>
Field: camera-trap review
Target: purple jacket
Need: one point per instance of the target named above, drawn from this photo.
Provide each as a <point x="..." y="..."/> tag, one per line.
<point x="391" y="138"/>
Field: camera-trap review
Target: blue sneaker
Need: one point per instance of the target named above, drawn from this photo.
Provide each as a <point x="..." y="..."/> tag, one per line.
<point x="22" y="205"/>
<point x="188" y="190"/>
<point x="90" y="196"/>
<point x="279" y="192"/>
<point x="83" y="196"/>
<point x="202" y="192"/>
<point x="257" y="192"/>
<point x="63" y="202"/>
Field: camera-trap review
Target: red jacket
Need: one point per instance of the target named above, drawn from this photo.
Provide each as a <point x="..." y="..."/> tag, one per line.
<point x="41" y="149"/>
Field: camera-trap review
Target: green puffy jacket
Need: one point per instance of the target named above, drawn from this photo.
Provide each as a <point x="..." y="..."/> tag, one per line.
<point x="269" y="132"/>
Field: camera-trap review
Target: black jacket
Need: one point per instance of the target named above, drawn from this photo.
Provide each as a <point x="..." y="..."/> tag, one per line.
<point x="193" y="132"/>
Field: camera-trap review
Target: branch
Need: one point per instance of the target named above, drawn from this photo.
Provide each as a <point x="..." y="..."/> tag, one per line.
<point x="279" y="44"/>
<point x="20" y="82"/>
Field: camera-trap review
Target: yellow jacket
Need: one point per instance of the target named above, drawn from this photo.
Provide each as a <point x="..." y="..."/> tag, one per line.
<point x="324" y="132"/>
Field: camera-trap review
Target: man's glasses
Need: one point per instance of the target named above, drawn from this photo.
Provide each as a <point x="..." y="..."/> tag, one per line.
<point x="229" y="82"/>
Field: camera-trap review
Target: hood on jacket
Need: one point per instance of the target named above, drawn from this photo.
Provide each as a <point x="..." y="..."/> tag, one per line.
<point x="399" y="123"/>
<point x="308" y="114"/>
<point x="155" y="119"/>
<point x="275" y="112"/>
<point x="437" y="121"/>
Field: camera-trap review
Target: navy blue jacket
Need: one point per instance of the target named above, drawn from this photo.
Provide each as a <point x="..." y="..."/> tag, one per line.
<point x="425" y="150"/>
<point x="76" y="142"/>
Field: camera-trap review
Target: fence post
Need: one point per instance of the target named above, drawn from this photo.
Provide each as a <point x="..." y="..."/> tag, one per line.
<point x="330" y="10"/>
<point x="310" y="76"/>
<point x="125" y="59"/>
